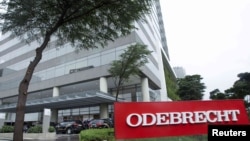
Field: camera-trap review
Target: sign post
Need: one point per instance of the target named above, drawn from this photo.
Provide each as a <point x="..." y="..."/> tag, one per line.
<point x="46" y="120"/>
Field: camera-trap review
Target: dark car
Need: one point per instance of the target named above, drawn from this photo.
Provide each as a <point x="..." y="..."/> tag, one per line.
<point x="110" y="121"/>
<point x="99" y="123"/>
<point x="69" y="126"/>
<point x="86" y="124"/>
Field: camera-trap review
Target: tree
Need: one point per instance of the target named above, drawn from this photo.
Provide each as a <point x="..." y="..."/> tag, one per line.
<point x="85" y="24"/>
<point x="239" y="90"/>
<point x="134" y="57"/>
<point x="190" y="87"/>
<point x="241" y="87"/>
<point x="216" y="94"/>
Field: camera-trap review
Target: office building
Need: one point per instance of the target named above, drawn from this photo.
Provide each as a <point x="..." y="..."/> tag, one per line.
<point x="78" y="85"/>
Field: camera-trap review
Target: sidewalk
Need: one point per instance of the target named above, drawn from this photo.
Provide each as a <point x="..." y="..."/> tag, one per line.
<point x="58" y="137"/>
<point x="29" y="136"/>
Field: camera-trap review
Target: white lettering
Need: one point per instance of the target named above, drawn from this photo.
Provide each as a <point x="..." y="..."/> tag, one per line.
<point x="200" y="117"/>
<point x="162" y="118"/>
<point x="234" y="114"/>
<point x="215" y="132"/>
<point x="209" y="115"/>
<point x="223" y="114"/>
<point x="145" y="118"/>
<point x="175" y="118"/>
<point x="187" y="117"/>
<point x="231" y="133"/>
<point x="168" y="118"/>
<point x="139" y="120"/>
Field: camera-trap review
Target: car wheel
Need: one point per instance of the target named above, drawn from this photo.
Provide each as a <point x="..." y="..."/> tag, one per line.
<point x="69" y="131"/>
<point x="105" y="126"/>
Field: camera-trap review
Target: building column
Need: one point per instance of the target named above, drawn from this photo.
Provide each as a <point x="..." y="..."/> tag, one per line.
<point x="103" y="85"/>
<point x="54" y="112"/>
<point x="104" y="88"/>
<point x="145" y="89"/>
<point x="104" y="111"/>
<point x="55" y="91"/>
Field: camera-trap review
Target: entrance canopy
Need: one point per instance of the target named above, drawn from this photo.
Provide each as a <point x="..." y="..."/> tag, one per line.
<point x="83" y="99"/>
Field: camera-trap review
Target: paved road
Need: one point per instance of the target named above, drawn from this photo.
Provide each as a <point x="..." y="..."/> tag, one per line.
<point x="61" y="137"/>
<point x="74" y="137"/>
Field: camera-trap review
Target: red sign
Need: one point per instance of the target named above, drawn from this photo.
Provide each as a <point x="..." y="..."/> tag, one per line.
<point x="162" y="119"/>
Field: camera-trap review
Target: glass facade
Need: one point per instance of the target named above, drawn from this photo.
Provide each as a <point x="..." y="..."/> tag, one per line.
<point x="63" y="68"/>
<point x="86" y="113"/>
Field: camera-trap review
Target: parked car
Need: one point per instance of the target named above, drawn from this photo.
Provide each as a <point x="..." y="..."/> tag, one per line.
<point x="86" y="123"/>
<point x="69" y="126"/>
<point x="110" y="121"/>
<point x="99" y="123"/>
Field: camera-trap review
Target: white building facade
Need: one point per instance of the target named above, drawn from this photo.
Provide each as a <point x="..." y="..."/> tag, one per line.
<point x="78" y="85"/>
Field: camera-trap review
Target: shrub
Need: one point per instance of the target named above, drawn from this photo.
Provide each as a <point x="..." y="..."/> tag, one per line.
<point x="7" y="129"/>
<point x="51" y="129"/>
<point x="35" y="129"/>
<point x="97" y="134"/>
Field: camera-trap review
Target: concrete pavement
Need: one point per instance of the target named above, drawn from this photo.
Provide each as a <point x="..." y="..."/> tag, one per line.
<point x="59" y="137"/>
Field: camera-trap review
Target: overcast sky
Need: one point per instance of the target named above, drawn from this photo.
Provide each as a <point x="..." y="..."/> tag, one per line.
<point x="210" y="38"/>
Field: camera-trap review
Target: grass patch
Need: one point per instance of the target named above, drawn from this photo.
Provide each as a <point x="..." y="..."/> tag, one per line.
<point x="179" y="138"/>
<point x="108" y="135"/>
<point x="97" y="134"/>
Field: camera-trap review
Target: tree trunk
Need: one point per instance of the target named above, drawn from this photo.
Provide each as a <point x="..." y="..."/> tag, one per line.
<point x="23" y="91"/>
<point x="118" y="88"/>
<point x="117" y="93"/>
